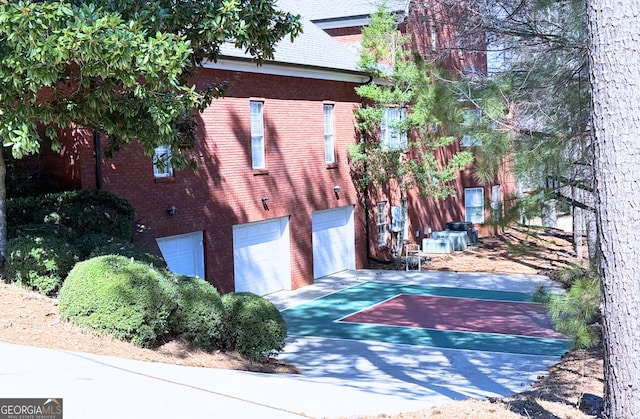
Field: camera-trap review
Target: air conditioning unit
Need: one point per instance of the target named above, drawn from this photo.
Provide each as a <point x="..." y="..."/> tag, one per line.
<point x="458" y="238"/>
<point x="472" y="234"/>
<point x="432" y="245"/>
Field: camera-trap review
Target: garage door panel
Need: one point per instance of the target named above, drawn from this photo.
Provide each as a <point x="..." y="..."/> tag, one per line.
<point x="184" y="253"/>
<point x="261" y="256"/>
<point x="333" y="241"/>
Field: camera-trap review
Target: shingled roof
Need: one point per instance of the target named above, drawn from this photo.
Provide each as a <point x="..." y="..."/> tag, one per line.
<point x="313" y="48"/>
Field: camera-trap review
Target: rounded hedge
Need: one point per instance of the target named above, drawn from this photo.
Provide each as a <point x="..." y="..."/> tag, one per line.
<point x="39" y="262"/>
<point x="254" y="325"/>
<point x="128" y="299"/>
<point x="199" y="317"/>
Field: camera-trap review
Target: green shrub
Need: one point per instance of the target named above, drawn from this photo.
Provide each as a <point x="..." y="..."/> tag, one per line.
<point x="199" y="318"/>
<point x="567" y="275"/>
<point x="88" y="243"/>
<point x="54" y="230"/>
<point x="575" y="312"/>
<point x="83" y="211"/>
<point x="119" y="247"/>
<point x="128" y="299"/>
<point x="255" y="327"/>
<point x="39" y="262"/>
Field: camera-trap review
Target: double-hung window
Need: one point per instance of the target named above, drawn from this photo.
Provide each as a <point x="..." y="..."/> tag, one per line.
<point x="329" y="139"/>
<point x="162" y="162"/>
<point x="474" y="205"/>
<point x="392" y="134"/>
<point x="257" y="136"/>
<point x="472" y="119"/>
<point x="381" y="222"/>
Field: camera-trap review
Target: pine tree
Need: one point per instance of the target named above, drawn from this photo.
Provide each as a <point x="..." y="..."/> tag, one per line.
<point x="405" y="120"/>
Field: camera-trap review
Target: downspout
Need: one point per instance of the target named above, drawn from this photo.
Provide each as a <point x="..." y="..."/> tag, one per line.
<point x="98" y="150"/>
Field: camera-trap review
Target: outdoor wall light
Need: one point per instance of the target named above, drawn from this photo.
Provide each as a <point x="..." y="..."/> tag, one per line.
<point x="264" y="200"/>
<point x="171" y="210"/>
<point x="336" y="190"/>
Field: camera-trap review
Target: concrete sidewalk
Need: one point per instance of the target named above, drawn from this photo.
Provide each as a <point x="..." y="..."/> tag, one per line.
<point x="340" y="377"/>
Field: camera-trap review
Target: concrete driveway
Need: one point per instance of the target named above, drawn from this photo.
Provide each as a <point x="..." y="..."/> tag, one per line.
<point x="341" y="377"/>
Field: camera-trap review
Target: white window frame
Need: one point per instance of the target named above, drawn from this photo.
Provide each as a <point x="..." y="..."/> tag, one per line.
<point x="162" y="153"/>
<point x="329" y="134"/>
<point x="474" y="205"/>
<point x="391" y="137"/>
<point x="381" y="223"/>
<point x="472" y="118"/>
<point x="258" y="158"/>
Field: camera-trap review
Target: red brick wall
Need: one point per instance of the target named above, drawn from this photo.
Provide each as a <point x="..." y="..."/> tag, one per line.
<point x="224" y="190"/>
<point x="348" y="36"/>
<point x="460" y="53"/>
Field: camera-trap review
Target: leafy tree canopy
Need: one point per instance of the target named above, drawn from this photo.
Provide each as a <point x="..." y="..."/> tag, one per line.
<point x="404" y="81"/>
<point x="120" y="67"/>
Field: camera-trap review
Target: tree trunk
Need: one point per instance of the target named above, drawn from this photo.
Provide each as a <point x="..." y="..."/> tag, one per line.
<point x="592" y="234"/>
<point x="578" y="224"/>
<point x="3" y="208"/>
<point x="549" y="214"/>
<point x="614" y="52"/>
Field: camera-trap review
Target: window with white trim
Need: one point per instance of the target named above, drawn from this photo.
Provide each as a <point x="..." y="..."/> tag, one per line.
<point x="329" y="139"/>
<point x="392" y="136"/>
<point x="162" y="162"/>
<point x="381" y="222"/>
<point x="257" y="135"/>
<point x="474" y="205"/>
<point x="472" y="118"/>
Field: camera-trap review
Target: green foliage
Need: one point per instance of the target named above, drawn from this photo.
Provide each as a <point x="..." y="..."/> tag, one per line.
<point x="119" y="68"/>
<point x="254" y="25"/>
<point x="544" y="81"/>
<point x="199" y="317"/>
<point x="541" y="295"/>
<point x="50" y="233"/>
<point x="410" y="84"/>
<point x="523" y="209"/>
<point x="119" y="247"/>
<point x="485" y="124"/>
<point x="83" y="211"/>
<point x="575" y="312"/>
<point x="63" y="63"/>
<point x="255" y="327"/>
<point x="124" y="298"/>
<point x="568" y="275"/>
<point x="54" y="230"/>
<point x="39" y="262"/>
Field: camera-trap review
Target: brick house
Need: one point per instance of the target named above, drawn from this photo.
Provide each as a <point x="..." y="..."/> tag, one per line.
<point x="272" y="204"/>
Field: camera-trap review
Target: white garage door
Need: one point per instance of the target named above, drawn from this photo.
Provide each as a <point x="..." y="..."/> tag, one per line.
<point x="333" y="241"/>
<point x="262" y="256"/>
<point x="184" y="253"/>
